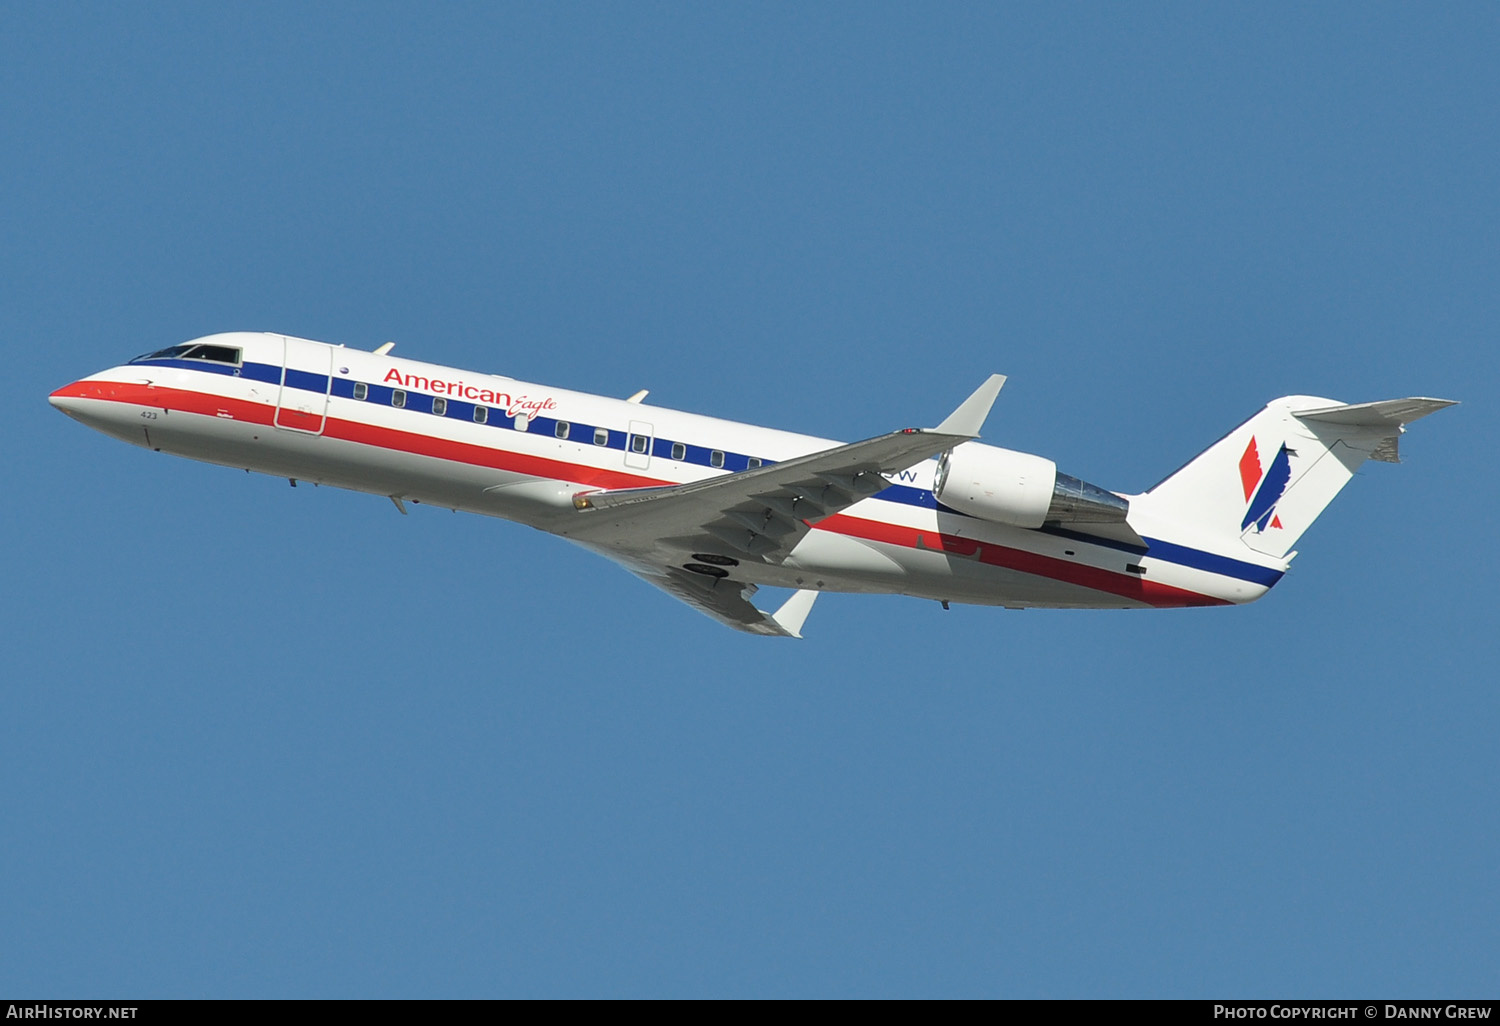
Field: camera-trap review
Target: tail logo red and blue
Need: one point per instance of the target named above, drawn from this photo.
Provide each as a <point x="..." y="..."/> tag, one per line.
<point x="1264" y="489"/>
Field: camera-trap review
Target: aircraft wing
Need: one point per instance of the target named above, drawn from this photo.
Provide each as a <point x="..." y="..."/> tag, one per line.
<point x="761" y="512"/>
<point x="756" y="515"/>
<point x="729" y="603"/>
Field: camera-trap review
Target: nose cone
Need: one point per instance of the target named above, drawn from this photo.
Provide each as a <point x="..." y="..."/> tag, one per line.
<point x="69" y="398"/>
<point x="99" y="403"/>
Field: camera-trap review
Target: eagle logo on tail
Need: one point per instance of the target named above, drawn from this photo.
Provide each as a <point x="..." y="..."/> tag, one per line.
<point x="1264" y="489"/>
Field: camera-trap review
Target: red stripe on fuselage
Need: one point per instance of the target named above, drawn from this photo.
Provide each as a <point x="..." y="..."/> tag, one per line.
<point x="1132" y="587"/>
<point x="210" y="405"/>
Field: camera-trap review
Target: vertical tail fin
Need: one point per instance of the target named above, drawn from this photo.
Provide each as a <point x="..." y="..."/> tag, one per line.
<point x="1266" y="481"/>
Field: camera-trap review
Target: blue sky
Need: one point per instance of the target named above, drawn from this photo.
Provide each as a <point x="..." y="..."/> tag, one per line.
<point x="257" y="741"/>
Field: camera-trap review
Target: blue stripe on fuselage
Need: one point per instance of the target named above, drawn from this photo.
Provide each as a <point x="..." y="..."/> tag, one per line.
<point x="1224" y="566"/>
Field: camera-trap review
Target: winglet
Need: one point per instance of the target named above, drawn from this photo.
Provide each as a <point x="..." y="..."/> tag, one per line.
<point x="793" y="612"/>
<point x="969" y="418"/>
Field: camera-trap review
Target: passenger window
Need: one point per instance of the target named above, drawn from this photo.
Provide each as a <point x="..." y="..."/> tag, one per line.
<point x="481" y="414"/>
<point x="638" y="443"/>
<point x="439" y="406"/>
<point x="361" y="391"/>
<point x="679" y="451"/>
<point x="753" y="463"/>
<point x="398" y="398"/>
<point x="522" y="422"/>
<point x="561" y="431"/>
<point x="601" y="436"/>
<point x="716" y="459"/>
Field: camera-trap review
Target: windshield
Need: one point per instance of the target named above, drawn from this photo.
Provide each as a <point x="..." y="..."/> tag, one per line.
<point x="218" y="354"/>
<point x="163" y="354"/>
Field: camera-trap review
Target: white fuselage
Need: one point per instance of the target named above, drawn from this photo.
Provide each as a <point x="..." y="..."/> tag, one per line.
<point x="394" y="427"/>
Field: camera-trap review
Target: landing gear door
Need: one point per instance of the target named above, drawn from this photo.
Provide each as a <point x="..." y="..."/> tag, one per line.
<point x="306" y="377"/>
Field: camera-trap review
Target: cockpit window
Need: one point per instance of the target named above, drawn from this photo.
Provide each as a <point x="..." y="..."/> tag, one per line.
<point x="219" y="354"/>
<point x="163" y="354"/>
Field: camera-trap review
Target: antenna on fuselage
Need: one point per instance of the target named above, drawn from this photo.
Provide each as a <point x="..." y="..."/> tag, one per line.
<point x="384" y="347"/>
<point x="639" y="396"/>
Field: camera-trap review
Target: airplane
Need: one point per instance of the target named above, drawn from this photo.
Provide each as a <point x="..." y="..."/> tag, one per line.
<point x="710" y="510"/>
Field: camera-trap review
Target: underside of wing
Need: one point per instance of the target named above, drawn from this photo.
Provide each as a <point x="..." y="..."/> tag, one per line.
<point x="728" y="602"/>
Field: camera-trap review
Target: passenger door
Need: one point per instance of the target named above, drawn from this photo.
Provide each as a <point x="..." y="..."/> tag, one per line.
<point x="306" y="378"/>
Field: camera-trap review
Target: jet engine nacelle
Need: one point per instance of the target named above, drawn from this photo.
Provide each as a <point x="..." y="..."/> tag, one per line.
<point x="991" y="483"/>
<point x="1019" y="489"/>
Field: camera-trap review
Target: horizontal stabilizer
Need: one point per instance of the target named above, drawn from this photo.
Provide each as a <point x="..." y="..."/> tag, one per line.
<point x="1390" y="415"/>
<point x="1386" y="413"/>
